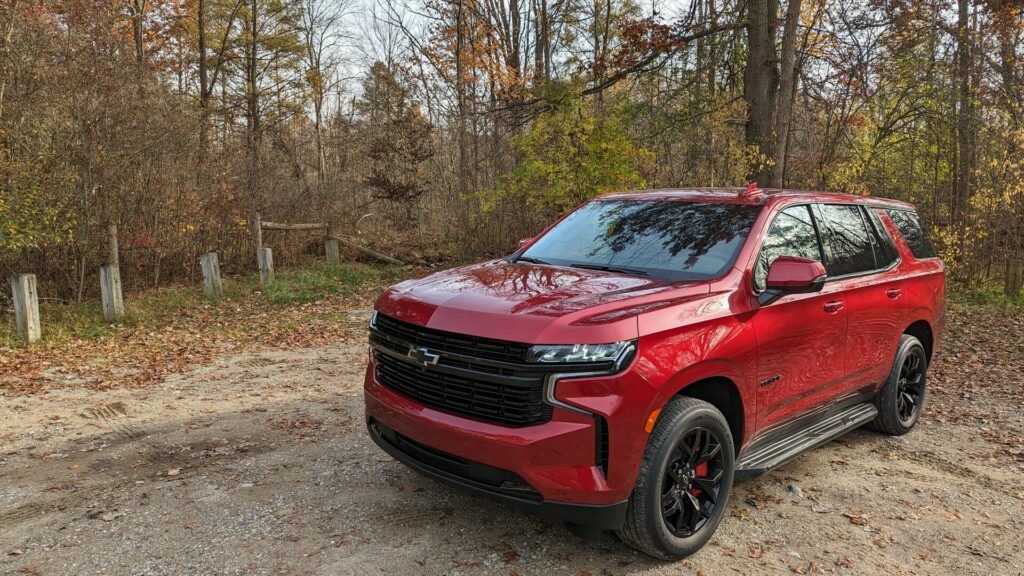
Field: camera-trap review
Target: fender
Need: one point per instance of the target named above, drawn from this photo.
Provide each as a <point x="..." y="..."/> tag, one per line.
<point x="712" y="369"/>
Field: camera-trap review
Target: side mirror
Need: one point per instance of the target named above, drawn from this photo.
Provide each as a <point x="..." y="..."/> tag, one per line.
<point x="522" y="243"/>
<point x="792" y="275"/>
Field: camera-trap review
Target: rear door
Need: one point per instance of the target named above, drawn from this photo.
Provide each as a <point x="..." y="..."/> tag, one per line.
<point x="863" y="257"/>
<point x="800" y="337"/>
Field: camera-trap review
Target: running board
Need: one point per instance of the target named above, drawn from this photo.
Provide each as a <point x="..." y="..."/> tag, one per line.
<point x="779" y="451"/>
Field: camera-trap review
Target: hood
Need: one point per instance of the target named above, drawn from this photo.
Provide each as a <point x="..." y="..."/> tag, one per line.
<point x="532" y="303"/>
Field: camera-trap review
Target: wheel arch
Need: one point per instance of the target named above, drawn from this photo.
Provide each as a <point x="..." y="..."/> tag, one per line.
<point x="722" y="393"/>
<point x="922" y="330"/>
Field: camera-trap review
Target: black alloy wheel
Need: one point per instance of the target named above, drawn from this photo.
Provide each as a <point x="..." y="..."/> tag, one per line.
<point x="692" y="482"/>
<point x="910" y="386"/>
<point x="902" y="397"/>
<point x="683" y="485"/>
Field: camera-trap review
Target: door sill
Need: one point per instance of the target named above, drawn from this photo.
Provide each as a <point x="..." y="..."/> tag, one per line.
<point x="781" y="447"/>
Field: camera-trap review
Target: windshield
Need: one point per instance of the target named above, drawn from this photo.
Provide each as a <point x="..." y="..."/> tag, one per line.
<point x="668" y="240"/>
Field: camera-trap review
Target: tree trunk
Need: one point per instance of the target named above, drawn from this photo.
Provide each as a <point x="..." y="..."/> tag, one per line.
<point x="253" y="107"/>
<point x="138" y="12"/>
<point x="966" y="154"/>
<point x="204" y="90"/>
<point x="760" y="84"/>
<point x="787" y="90"/>
<point x="1014" y="278"/>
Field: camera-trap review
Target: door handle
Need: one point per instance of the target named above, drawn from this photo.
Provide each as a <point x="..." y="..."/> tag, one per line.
<point x="894" y="293"/>
<point x="834" y="306"/>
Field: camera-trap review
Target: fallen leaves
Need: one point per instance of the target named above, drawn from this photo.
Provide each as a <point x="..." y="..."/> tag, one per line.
<point x="858" y="518"/>
<point x="759" y="499"/>
<point x="139" y="356"/>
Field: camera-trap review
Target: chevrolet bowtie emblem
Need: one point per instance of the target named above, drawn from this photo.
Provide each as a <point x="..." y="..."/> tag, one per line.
<point x="423" y="356"/>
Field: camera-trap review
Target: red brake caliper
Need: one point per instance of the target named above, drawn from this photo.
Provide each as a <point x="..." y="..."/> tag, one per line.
<point x="700" y="470"/>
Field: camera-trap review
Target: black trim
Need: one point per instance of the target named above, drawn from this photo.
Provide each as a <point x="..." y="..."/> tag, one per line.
<point x="601" y="443"/>
<point x="433" y="463"/>
<point x="788" y="439"/>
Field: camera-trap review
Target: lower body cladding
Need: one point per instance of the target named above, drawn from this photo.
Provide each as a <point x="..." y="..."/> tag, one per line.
<point x="553" y="468"/>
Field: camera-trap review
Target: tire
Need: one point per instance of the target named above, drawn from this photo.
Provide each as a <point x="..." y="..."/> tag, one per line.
<point x="906" y="382"/>
<point x="674" y="441"/>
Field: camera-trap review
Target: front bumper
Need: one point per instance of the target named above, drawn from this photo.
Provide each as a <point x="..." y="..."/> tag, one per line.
<point x="550" y="468"/>
<point x="445" y="467"/>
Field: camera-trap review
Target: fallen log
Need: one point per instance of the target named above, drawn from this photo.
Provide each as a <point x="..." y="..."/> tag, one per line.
<point x="280" y="226"/>
<point x="368" y="251"/>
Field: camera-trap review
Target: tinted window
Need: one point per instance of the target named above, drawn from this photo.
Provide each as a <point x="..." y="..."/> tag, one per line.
<point x="669" y="240"/>
<point x="885" y="251"/>
<point x="849" y="240"/>
<point x="909" y="225"/>
<point x="792" y="233"/>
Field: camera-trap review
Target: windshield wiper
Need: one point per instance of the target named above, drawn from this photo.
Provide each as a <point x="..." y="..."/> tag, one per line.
<point x="530" y="260"/>
<point x="605" y="268"/>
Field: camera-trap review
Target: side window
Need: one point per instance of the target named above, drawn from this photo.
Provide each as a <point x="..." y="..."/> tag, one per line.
<point x="792" y="233"/>
<point x="885" y="250"/>
<point x="850" y="239"/>
<point x="909" y="225"/>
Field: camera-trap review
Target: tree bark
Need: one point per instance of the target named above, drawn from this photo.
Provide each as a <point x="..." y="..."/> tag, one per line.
<point x="966" y="154"/>
<point x="760" y="84"/>
<point x="138" y="12"/>
<point x="787" y="91"/>
<point x="204" y="89"/>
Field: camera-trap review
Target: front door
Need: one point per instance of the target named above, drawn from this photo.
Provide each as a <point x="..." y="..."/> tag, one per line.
<point x="800" y="337"/>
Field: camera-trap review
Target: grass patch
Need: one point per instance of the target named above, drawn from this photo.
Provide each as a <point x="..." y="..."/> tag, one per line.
<point x="62" y="321"/>
<point x="987" y="297"/>
<point x="320" y="281"/>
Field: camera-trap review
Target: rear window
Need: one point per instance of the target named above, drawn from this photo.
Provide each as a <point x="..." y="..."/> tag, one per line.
<point x="667" y="240"/>
<point x="909" y="225"/>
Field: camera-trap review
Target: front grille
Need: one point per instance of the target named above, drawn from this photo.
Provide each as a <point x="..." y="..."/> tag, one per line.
<point x="479" y="378"/>
<point x="441" y="341"/>
<point x="519" y="404"/>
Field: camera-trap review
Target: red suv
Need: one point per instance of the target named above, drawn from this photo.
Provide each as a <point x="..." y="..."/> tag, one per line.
<point x="623" y="367"/>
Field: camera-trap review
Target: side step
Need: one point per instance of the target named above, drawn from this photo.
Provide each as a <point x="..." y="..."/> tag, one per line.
<point x="775" y="452"/>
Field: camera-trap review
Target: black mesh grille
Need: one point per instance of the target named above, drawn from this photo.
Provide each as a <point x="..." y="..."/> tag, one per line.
<point x="499" y="395"/>
<point x="440" y="341"/>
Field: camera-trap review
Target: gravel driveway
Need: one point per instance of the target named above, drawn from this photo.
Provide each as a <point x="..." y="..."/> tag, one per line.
<point x="259" y="464"/>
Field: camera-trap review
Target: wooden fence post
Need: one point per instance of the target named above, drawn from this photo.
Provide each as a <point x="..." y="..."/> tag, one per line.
<point x="333" y="252"/>
<point x="1014" y="280"/>
<point x="110" y="292"/>
<point x="26" y="306"/>
<point x="266" y="261"/>
<point x="213" y="285"/>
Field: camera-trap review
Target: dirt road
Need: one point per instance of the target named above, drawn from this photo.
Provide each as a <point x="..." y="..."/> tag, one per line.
<point x="259" y="464"/>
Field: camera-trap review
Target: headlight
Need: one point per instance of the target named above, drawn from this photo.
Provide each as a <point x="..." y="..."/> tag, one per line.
<point x="570" y="353"/>
<point x="373" y="320"/>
